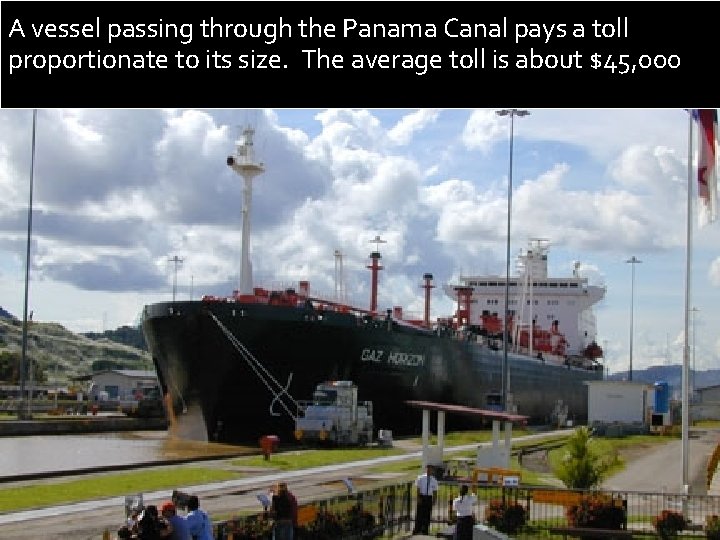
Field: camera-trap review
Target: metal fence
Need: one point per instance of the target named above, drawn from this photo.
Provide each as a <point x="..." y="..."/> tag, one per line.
<point x="389" y="511"/>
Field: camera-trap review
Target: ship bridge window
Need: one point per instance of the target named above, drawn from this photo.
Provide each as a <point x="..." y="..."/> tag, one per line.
<point x="564" y="285"/>
<point x="482" y="283"/>
<point x="541" y="284"/>
<point x="552" y="284"/>
<point x="513" y="283"/>
<point x="575" y="285"/>
<point x="325" y="397"/>
<point x="492" y="283"/>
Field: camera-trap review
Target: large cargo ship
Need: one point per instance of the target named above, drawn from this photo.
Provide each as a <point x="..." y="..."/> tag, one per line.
<point x="232" y="367"/>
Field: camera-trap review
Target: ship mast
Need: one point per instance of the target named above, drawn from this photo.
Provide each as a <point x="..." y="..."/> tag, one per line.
<point x="375" y="267"/>
<point x="340" y="295"/>
<point x="243" y="163"/>
<point x="428" y="285"/>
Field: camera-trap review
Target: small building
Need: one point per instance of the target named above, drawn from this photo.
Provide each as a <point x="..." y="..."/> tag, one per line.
<point x="707" y="404"/>
<point x="626" y="403"/>
<point x="123" y="384"/>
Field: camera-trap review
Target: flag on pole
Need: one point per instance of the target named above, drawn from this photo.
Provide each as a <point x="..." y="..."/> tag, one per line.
<point x="706" y="170"/>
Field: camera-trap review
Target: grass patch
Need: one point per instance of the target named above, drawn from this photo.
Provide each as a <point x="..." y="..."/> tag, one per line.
<point x="307" y="459"/>
<point x="107" y="485"/>
<point x="612" y="446"/>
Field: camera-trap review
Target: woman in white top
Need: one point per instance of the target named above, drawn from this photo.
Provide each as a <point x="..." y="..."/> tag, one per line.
<point x="464" y="507"/>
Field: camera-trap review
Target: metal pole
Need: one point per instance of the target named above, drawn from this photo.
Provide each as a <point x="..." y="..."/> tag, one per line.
<point x="633" y="261"/>
<point x="177" y="260"/>
<point x="22" y="412"/>
<point x="688" y="275"/>
<point x="511" y="113"/>
<point x="694" y="310"/>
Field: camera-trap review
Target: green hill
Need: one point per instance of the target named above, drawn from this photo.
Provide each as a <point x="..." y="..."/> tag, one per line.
<point x="61" y="354"/>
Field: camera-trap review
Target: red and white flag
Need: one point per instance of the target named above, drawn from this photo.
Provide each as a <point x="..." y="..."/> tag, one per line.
<point x="706" y="170"/>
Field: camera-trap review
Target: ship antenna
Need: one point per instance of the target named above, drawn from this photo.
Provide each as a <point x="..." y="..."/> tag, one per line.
<point x="243" y="163"/>
<point x="339" y="278"/>
<point x="375" y="267"/>
<point x="428" y="285"/>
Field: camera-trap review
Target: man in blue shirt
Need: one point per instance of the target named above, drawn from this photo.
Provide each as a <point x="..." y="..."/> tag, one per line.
<point x="197" y="520"/>
<point x="178" y="525"/>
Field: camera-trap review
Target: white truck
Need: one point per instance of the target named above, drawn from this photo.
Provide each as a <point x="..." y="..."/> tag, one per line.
<point x="335" y="416"/>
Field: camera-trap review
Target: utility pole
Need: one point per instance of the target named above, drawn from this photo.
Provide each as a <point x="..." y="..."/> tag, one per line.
<point x="512" y="113"/>
<point x="694" y="310"/>
<point x="23" y="413"/>
<point x="633" y="261"/>
<point x="177" y="260"/>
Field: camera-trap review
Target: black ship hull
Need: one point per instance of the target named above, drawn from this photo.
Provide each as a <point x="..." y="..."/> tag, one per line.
<point x="203" y="352"/>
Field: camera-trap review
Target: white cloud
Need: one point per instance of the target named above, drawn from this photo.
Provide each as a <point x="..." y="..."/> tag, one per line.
<point x="402" y="132"/>
<point x="119" y="193"/>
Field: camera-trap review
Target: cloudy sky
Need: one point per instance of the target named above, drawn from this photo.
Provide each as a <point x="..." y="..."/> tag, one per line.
<point x="119" y="193"/>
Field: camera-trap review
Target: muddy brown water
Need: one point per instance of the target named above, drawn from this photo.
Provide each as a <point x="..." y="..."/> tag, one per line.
<point x="37" y="454"/>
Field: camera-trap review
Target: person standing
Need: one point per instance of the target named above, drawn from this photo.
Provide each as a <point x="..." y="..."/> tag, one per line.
<point x="178" y="529"/>
<point x="283" y="511"/>
<point x="426" y="487"/>
<point x="464" y="507"/>
<point x="198" y="522"/>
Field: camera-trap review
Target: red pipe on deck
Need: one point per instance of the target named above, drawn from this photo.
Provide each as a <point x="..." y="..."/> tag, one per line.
<point x="463" y="312"/>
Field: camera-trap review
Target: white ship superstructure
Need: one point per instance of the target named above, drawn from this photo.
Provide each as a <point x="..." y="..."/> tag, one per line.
<point x="550" y="308"/>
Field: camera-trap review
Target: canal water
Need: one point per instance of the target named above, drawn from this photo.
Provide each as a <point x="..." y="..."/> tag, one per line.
<point x="49" y="453"/>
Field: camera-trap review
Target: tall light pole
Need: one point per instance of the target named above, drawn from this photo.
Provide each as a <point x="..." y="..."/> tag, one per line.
<point x="632" y="261"/>
<point x="512" y="113"/>
<point x="694" y="310"/>
<point x="22" y="412"/>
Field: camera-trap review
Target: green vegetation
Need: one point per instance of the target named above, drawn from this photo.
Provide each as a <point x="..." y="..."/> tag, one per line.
<point x="10" y="368"/>
<point x="612" y="446"/>
<point x="583" y="465"/>
<point x="107" y="485"/>
<point x="305" y="459"/>
<point x="59" y="355"/>
<point x="127" y="335"/>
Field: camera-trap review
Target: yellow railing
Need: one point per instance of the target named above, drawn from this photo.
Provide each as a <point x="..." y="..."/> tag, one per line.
<point x="712" y="464"/>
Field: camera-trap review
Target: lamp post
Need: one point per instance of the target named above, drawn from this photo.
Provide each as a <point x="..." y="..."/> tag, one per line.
<point x="694" y="310"/>
<point x="512" y="113"/>
<point x="26" y="414"/>
<point x="632" y="261"/>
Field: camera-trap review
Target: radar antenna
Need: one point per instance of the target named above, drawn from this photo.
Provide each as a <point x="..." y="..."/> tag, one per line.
<point x="244" y="164"/>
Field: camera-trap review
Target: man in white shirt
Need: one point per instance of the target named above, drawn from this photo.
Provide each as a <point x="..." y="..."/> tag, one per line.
<point x="426" y="491"/>
<point x="464" y="507"/>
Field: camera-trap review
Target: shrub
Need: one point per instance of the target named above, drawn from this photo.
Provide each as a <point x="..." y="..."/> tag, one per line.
<point x="597" y="511"/>
<point x="582" y="466"/>
<point x="505" y="516"/>
<point x="712" y="527"/>
<point x="668" y="523"/>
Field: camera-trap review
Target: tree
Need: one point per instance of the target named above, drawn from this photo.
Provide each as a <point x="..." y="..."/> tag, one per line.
<point x="10" y="368"/>
<point x="582" y="466"/>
